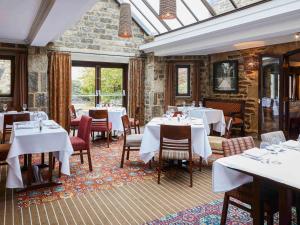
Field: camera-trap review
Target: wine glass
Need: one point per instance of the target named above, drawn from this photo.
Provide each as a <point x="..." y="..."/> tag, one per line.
<point x="183" y="104"/>
<point x="200" y="104"/>
<point x="264" y="145"/>
<point x="193" y="104"/>
<point x="298" y="139"/>
<point x="24" y="107"/>
<point x="172" y="112"/>
<point x="5" y="107"/>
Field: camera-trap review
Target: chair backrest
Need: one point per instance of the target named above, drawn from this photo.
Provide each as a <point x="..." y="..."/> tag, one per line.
<point x="236" y="146"/>
<point x="228" y="127"/>
<point x="126" y="125"/>
<point x="100" y="117"/>
<point x="234" y="108"/>
<point x="84" y="129"/>
<point x="9" y="119"/>
<point x="177" y="113"/>
<point x="175" y="138"/>
<point x="72" y="112"/>
<point x="137" y="113"/>
<point x="174" y="108"/>
<point x="269" y="137"/>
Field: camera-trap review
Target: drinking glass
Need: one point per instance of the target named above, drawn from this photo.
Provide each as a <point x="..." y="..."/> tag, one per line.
<point x="193" y="104"/>
<point x="264" y="145"/>
<point x="5" y="107"/>
<point x="200" y="104"/>
<point x="24" y="107"/>
<point x="298" y="139"/>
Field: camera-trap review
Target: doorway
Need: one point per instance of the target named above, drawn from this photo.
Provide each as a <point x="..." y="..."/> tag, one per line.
<point x="279" y="93"/>
<point x="98" y="83"/>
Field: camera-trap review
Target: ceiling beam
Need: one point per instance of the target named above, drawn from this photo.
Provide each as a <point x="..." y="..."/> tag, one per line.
<point x="209" y="8"/>
<point x="189" y="9"/>
<point x="156" y="14"/>
<point x="234" y="4"/>
<point x="43" y="12"/>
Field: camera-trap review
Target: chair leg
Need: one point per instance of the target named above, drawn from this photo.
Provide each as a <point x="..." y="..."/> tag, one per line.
<point x="135" y="131"/>
<point x="122" y="158"/>
<point x="90" y="160"/>
<point x="59" y="169"/>
<point x="225" y="209"/>
<point x="73" y="132"/>
<point x="159" y="171"/>
<point x="191" y="172"/>
<point x="81" y="157"/>
<point x="270" y="220"/>
<point x="53" y="164"/>
<point x="138" y="126"/>
<point x="128" y="150"/>
<point x="200" y="163"/>
<point x="108" y="137"/>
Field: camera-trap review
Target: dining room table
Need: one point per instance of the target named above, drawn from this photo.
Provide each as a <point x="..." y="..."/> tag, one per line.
<point x="278" y="164"/>
<point x="211" y="117"/>
<point x="33" y="137"/>
<point x="34" y="116"/>
<point x="151" y="137"/>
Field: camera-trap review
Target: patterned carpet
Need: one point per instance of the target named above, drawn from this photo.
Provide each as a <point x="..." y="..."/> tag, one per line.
<point x="106" y="175"/>
<point x="210" y="214"/>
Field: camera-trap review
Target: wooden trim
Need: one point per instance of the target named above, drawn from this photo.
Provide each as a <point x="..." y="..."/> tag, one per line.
<point x="188" y="67"/>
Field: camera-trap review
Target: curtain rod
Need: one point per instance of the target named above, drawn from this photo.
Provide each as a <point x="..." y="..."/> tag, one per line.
<point x="92" y="53"/>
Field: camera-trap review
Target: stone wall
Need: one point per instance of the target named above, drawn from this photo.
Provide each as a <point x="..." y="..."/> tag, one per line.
<point x="97" y="32"/>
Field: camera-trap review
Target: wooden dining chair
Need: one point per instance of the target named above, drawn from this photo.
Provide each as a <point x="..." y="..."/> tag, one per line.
<point x="100" y="123"/>
<point x="216" y="141"/>
<point x="4" y="149"/>
<point x="135" y="122"/>
<point x="132" y="142"/>
<point x="244" y="194"/>
<point x="8" y="121"/>
<point x="74" y="124"/>
<point x="175" y="144"/>
<point x="270" y="136"/>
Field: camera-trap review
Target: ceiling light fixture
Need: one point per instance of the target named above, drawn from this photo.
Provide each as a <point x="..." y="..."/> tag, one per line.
<point x="167" y="9"/>
<point x="125" y="29"/>
<point x="297" y="36"/>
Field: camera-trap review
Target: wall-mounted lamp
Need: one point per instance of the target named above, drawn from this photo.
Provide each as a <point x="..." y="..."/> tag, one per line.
<point x="297" y="36"/>
<point x="251" y="63"/>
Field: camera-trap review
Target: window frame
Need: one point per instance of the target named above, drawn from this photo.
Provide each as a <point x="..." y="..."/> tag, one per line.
<point x="12" y="70"/>
<point x="188" y="67"/>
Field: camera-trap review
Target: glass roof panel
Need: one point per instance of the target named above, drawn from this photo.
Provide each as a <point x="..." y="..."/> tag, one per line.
<point x="242" y="3"/>
<point x="147" y="13"/>
<point x="173" y="24"/>
<point x="199" y="10"/>
<point x="183" y="14"/>
<point x="221" y="6"/>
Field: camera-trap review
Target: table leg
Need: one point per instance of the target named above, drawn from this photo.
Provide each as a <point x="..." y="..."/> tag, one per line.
<point x="50" y="166"/>
<point x="258" y="210"/>
<point x="285" y="206"/>
<point x="29" y="172"/>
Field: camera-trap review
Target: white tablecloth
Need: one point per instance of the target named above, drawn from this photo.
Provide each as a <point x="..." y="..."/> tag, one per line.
<point x="151" y="139"/>
<point x="41" y="114"/>
<point x="209" y="116"/>
<point x="114" y="116"/>
<point x="225" y="178"/>
<point x="31" y="141"/>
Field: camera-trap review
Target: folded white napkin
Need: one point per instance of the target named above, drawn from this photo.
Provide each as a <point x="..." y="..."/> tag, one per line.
<point x="292" y="144"/>
<point x="25" y="126"/>
<point x="256" y="153"/>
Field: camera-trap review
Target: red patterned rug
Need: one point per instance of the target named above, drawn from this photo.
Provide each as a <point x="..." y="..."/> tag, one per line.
<point x="106" y="175"/>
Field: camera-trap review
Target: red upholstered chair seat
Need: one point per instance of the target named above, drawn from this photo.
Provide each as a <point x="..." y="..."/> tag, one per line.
<point x="78" y="143"/>
<point x="75" y="122"/>
<point x="235" y="121"/>
<point x="101" y="127"/>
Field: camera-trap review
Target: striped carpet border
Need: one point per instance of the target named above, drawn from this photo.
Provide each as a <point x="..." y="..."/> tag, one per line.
<point x="135" y="203"/>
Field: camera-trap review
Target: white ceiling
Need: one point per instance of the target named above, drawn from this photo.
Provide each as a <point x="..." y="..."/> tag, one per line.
<point x="269" y="23"/>
<point x="38" y="22"/>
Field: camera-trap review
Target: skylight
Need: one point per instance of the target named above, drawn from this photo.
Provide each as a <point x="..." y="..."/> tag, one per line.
<point x="145" y="12"/>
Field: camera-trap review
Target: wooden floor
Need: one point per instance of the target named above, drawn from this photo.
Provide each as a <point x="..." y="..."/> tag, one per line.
<point x="135" y="203"/>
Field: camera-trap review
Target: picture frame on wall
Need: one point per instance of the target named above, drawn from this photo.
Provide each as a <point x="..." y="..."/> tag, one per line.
<point x="225" y="76"/>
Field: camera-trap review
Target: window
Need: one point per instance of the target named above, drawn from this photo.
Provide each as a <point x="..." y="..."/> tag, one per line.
<point x="6" y="76"/>
<point x="183" y="80"/>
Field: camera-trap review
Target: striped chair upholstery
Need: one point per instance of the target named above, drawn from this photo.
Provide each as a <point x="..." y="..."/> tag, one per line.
<point x="269" y="137"/>
<point x="235" y="146"/>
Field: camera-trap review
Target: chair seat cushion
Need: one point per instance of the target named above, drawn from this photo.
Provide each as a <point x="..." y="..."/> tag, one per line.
<point x="78" y="143"/>
<point x="75" y="122"/>
<point x="173" y="155"/>
<point x="134" y="122"/>
<point x="134" y="140"/>
<point x="216" y="144"/>
<point x="4" y="149"/>
<point x="101" y="128"/>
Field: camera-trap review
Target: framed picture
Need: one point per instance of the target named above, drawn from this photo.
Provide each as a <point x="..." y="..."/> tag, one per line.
<point x="225" y="76"/>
